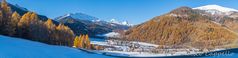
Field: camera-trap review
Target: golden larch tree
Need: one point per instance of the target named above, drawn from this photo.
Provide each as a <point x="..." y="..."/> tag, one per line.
<point x="50" y="28"/>
<point x="14" y="21"/>
<point x="76" y="42"/>
<point x="6" y="18"/>
<point x="49" y="24"/>
<point x="87" y="42"/>
<point x="23" y="25"/>
<point x="65" y="35"/>
<point x="83" y="41"/>
<point x="80" y="41"/>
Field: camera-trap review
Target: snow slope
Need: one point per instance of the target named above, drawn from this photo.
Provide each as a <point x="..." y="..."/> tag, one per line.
<point x="19" y="48"/>
<point x="79" y="16"/>
<point x="120" y="22"/>
<point x="216" y="7"/>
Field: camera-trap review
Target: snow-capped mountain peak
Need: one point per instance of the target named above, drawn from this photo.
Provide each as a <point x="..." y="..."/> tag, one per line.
<point x="79" y="16"/>
<point x="216" y="7"/>
<point x="124" y="23"/>
<point x="86" y="18"/>
<point x="82" y="16"/>
<point x="120" y="22"/>
<point x="114" y="21"/>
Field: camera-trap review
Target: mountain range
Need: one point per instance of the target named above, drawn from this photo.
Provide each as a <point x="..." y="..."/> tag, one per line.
<point x="82" y="23"/>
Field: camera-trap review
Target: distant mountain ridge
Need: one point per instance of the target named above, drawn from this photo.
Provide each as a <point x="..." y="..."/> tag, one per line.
<point x="82" y="23"/>
<point x="85" y="17"/>
<point x="78" y="16"/>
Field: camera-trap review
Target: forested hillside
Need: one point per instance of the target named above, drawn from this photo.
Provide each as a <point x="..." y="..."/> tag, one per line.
<point x="30" y="26"/>
<point x="183" y="27"/>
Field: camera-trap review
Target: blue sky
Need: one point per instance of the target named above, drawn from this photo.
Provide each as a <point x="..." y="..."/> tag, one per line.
<point x="134" y="11"/>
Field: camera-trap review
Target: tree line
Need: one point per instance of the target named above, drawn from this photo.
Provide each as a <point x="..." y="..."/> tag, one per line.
<point x="30" y="26"/>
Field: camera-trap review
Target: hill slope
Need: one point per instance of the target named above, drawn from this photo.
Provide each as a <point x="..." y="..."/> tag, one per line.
<point x="183" y="27"/>
<point x="19" y="48"/>
<point x="219" y="14"/>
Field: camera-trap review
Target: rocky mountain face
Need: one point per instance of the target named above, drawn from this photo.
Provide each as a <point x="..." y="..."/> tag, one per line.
<point x="85" y="24"/>
<point x="188" y="27"/>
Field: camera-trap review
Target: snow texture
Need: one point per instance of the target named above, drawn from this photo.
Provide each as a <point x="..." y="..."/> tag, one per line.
<point x="216" y="7"/>
<point x="120" y="22"/>
<point x="19" y="48"/>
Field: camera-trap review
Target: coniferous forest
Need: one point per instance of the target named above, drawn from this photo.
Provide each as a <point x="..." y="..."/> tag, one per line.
<point x="30" y="26"/>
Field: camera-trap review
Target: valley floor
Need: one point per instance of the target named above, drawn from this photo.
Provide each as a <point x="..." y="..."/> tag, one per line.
<point x="141" y="49"/>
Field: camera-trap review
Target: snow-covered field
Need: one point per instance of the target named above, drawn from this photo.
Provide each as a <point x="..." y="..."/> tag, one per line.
<point x="19" y="48"/>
